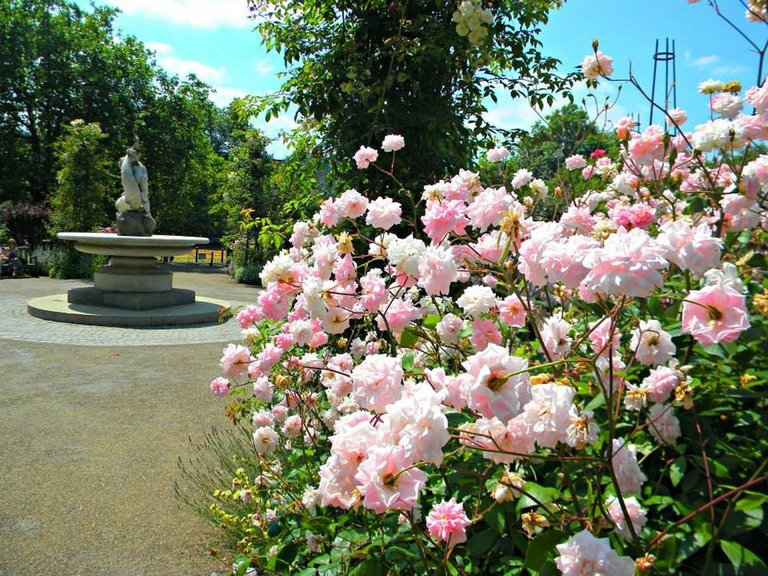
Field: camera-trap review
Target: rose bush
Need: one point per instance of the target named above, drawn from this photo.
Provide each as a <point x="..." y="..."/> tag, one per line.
<point x="487" y="387"/>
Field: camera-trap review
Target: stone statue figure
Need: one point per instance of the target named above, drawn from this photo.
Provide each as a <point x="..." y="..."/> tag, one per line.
<point x="133" y="215"/>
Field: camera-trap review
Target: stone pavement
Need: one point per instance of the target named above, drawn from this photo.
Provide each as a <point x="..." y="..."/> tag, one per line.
<point x="92" y="423"/>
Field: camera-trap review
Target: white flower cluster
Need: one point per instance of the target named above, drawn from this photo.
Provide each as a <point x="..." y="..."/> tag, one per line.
<point x="472" y="20"/>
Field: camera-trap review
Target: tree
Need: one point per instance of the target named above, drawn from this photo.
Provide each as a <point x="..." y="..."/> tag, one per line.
<point x="419" y="68"/>
<point x="59" y="63"/>
<point x="79" y="202"/>
<point x="179" y="156"/>
<point x="562" y="133"/>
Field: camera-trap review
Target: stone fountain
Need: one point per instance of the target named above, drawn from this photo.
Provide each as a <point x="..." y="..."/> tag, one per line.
<point x="134" y="288"/>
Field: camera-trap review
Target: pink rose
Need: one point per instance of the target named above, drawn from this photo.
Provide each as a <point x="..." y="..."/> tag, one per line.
<point x="392" y="143"/>
<point x="447" y="521"/>
<point x="235" y="360"/>
<point x="714" y="314"/>
<point x="595" y="65"/>
<point x="377" y="381"/>
<point x="364" y="156"/>
<point x="387" y="480"/>
<point x="383" y="212"/>
<point x="220" y="386"/>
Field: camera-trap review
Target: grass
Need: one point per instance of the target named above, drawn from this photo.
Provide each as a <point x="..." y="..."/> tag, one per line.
<point x="203" y="257"/>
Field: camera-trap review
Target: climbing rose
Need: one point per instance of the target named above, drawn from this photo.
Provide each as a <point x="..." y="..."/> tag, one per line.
<point x="653" y="346"/>
<point x="376" y="381"/>
<point x="596" y="65"/>
<point x="627" y="265"/>
<point x="634" y="511"/>
<point x="234" y="361"/>
<point x="392" y="143"/>
<point x="497" y="154"/>
<point x="351" y="204"/>
<point x="628" y="473"/>
<point x="714" y="314"/>
<point x="220" y="386"/>
<point x="585" y="555"/>
<point x="387" y="480"/>
<point x="365" y="156"/>
<point x="437" y="270"/>
<point x="447" y="521"/>
<point x="383" y="212"/>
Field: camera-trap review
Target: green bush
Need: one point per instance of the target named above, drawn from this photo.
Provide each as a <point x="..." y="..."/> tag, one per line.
<point x="67" y="263"/>
<point x="248" y="274"/>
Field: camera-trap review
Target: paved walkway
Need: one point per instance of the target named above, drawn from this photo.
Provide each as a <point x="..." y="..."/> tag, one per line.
<point x="92" y="423"/>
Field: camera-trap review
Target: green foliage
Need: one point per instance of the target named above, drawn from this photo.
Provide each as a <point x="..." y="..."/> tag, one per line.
<point x="248" y="274"/>
<point x="263" y="198"/>
<point x="67" y="263"/>
<point x="60" y="63"/>
<point x="564" y="132"/>
<point x="362" y="70"/>
<point x="80" y="198"/>
<point x="184" y="170"/>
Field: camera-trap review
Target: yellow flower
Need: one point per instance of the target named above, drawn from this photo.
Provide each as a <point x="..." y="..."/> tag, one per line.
<point x="344" y="243"/>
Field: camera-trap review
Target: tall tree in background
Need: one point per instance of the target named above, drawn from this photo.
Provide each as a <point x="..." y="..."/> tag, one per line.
<point x="79" y="202"/>
<point x="179" y="155"/>
<point x="566" y="131"/>
<point x="59" y="63"/>
<point x="419" y="68"/>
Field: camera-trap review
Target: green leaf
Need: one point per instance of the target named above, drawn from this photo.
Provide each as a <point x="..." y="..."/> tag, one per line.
<point x="240" y="564"/>
<point x="534" y="494"/>
<point x="409" y="338"/>
<point x="677" y="471"/>
<point x="665" y="557"/>
<point x="482" y="542"/>
<point x="408" y="359"/>
<point x="751" y="501"/>
<point x="496" y="520"/>
<point x="740" y="556"/>
<point x="369" y="567"/>
<point x="286" y="556"/>
<point x="741" y="521"/>
<point x="540" y="548"/>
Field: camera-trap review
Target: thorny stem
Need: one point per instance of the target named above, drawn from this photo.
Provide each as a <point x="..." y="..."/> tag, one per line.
<point x="735" y="491"/>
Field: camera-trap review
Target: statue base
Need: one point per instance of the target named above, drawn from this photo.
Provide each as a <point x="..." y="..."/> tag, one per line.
<point x="134" y="223"/>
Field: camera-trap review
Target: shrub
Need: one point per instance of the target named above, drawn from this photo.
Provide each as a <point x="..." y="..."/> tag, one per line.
<point x="67" y="263"/>
<point x="248" y="274"/>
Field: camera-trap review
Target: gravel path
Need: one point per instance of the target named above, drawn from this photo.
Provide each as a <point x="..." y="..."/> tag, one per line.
<point x="92" y="422"/>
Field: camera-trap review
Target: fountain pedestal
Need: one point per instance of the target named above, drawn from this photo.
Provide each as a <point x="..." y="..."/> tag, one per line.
<point x="133" y="289"/>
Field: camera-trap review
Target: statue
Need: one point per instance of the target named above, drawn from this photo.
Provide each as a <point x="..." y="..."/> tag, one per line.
<point x="133" y="215"/>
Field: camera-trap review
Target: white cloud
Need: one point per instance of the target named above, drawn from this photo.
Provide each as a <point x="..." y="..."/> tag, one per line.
<point x="167" y="59"/>
<point x="705" y="60"/>
<point x="263" y="67"/>
<point x="207" y="14"/>
<point x="222" y="96"/>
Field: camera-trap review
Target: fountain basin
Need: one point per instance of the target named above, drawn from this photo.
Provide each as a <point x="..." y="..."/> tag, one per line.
<point x="157" y="246"/>
<point x="133" y="289"/>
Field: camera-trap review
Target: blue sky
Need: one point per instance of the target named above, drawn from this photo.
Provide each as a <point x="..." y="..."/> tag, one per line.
<point x="215" y="40"/>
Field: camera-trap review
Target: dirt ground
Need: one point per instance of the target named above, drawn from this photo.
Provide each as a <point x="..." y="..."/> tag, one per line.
<point x="89" y="443"/>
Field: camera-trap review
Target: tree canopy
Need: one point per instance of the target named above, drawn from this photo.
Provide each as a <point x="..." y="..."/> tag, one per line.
<point x="60" y="64"/>
<point x="422" y="68"/>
